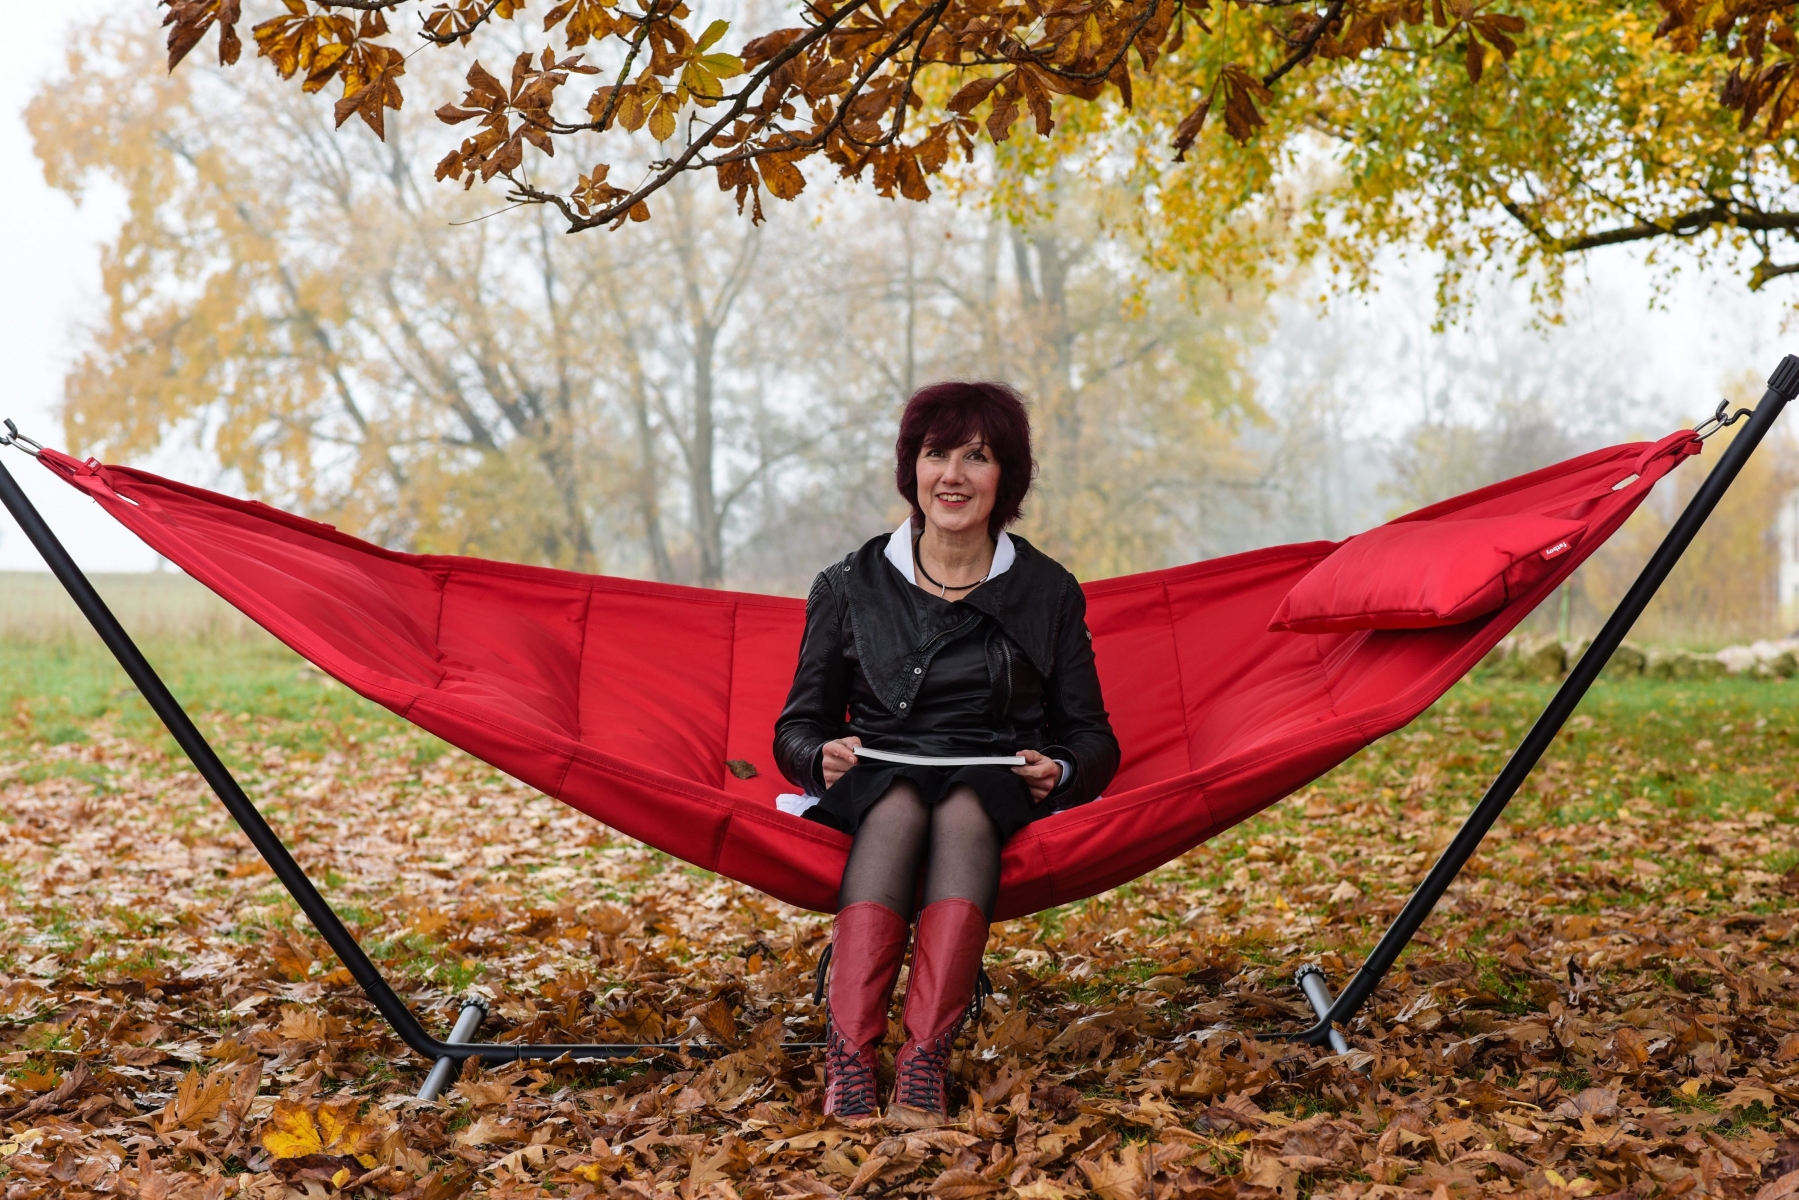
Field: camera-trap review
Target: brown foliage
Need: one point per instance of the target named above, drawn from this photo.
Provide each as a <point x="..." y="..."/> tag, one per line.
<point x="862" y="84"/>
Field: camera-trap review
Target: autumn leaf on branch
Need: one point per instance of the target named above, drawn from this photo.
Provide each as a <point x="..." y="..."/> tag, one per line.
<point x="370" y="86"/>
<point x="859" y="83"/>
<point x="1242" y="92"/>
<point x="886" y="93"/>
<point x="188" y="22"/>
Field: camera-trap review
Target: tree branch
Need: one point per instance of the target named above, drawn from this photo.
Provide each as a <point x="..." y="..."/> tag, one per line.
<point x="1687" y="224"/>
<point x="621" y="208"/>
<point x="1303" y="50"/>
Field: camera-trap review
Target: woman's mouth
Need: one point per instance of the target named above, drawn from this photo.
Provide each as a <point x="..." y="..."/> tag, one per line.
<point x="953" y="498"/>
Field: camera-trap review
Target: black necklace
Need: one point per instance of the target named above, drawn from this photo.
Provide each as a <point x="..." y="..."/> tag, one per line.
<point x="943" y="589"/>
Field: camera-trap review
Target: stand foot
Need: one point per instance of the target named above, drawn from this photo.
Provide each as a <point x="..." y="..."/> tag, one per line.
<point x="474" y="1009"/>
<point x="1311" y="981"/>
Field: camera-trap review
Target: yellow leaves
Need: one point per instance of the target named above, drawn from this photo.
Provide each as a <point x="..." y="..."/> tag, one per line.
<point x="587" y="20"/>
<point x="702" y="72"/>
<point x="25" y="1140"/>
<point x="371" y="86"/>
<point x="293" y="43"/>
<point x="325" y="46"/>
<point x="295" y="1130"/>
<point x="782" y="179"/>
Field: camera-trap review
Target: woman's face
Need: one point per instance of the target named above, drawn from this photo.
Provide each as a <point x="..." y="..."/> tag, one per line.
<point x="957" y="486"/>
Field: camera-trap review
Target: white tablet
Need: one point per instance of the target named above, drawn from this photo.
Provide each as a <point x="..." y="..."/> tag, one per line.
<point x="921" y="760"/>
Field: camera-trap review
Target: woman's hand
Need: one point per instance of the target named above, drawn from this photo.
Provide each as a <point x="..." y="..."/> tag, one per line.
<point x="839" y="757"/>
<point x="1040" y="774"/>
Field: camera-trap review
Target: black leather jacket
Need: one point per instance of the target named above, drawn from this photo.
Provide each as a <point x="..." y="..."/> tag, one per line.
<point x="868" y="648"/>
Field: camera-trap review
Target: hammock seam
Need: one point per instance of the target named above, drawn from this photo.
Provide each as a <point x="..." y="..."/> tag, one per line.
<point x="1180" y="676"/>
<point x="724" y="748"/>
<point x="581" y="680"/>
<point x="437" y="629"/>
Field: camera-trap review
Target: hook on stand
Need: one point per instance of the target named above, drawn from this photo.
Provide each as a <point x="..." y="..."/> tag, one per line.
<point x="12" y="437"/>
<point x="1712" y="423"/>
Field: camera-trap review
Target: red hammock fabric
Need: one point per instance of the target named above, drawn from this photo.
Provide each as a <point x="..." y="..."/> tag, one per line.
<point x="625" y="699"/>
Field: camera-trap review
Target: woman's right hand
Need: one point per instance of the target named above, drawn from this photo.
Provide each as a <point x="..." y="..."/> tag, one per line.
<point x="839" y="757"/>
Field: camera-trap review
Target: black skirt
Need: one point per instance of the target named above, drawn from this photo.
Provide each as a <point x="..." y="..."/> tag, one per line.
<point x="1005" y="797"/>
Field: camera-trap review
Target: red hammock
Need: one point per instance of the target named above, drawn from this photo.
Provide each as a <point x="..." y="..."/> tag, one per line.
<point x="626" y="699"/>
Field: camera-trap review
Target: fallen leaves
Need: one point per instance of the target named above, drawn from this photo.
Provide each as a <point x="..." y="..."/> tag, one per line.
<point x="1569" y="1023"/>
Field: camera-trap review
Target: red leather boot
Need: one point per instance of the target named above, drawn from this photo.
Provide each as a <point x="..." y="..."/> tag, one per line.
<point x="868" y="940"/>
<point x="946" y="962"/>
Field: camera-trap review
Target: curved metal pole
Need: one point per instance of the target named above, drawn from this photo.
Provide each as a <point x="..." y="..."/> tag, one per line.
<point x="1782" y="387"/>
<point x="267" y="843"/>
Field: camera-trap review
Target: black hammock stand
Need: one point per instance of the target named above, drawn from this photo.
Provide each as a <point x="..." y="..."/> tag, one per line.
<point x="1783" y="385"/>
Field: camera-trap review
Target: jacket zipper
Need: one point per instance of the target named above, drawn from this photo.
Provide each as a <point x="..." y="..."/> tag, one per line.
<point x="1005" y="652"/>
<point x="926" y="648"/>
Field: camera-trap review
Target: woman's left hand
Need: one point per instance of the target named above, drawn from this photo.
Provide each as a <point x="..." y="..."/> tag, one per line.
<point x="1040" y="773"/>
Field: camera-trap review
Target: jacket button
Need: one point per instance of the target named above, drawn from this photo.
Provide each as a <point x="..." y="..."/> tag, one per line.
<point x="902" y="704"/>
<point x="918" y="670"/>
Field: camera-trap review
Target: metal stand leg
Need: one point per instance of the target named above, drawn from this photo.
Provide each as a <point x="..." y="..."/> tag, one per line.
<point x="1783" y="385"/>
<point x="474" y="1009"/>
<point x="225" y="786"/>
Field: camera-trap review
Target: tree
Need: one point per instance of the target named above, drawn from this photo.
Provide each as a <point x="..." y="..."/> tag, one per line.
<point x="326" y="319"/>
<point x="697" y="400"/>
<point x="1528" y="136"/>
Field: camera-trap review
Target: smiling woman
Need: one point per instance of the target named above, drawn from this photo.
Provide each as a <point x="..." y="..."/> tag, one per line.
<point x="946" y="697"/>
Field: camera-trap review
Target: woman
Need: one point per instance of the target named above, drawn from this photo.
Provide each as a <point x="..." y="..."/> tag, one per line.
<point x="947" y="638"/>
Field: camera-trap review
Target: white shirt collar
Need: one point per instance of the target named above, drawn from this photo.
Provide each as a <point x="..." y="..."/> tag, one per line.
<point x="899" y="553"/>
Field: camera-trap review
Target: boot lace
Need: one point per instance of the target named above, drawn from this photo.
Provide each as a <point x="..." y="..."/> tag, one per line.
<point x="849" y="1076"/>
<point x="924" y="1075"/>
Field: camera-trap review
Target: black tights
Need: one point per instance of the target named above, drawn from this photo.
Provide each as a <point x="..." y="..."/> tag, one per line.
<point x="962" y="844"/>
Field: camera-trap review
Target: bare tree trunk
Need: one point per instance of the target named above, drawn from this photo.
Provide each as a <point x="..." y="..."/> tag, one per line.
<point x="556" y="447"/>
<point x="649" y="483"/>
<point x="909" y="380"/>
<point x="707" y="310"/>
<point x="707" y="526"/>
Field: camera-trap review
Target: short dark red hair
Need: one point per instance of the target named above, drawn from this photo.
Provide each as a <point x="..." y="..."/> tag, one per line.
<point x="956" y="413"/>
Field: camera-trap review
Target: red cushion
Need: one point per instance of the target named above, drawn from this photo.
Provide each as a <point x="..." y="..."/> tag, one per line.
<point x="1420" y="574"/>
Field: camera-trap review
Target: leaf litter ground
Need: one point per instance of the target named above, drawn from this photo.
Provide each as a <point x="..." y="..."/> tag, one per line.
<point x="1605" y="1003"/>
